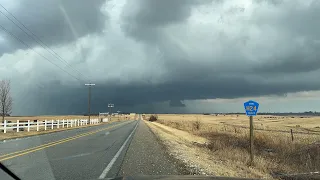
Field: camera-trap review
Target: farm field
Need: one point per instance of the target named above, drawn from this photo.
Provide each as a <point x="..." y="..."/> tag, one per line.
<point x="306" y="124"/>
<point x="219" y="144"/>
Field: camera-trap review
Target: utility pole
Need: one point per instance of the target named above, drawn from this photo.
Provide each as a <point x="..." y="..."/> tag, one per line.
<point x="110" y="106"/>
<point x="89" y="100"/>
<point x="118" y="114"/>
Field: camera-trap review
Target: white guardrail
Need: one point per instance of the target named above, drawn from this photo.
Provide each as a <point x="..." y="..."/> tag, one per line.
<point x="44" y="124"/>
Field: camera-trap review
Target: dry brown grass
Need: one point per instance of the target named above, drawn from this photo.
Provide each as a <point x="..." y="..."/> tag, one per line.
<point x="261" y="122"/>
<point x="274" y="150"/>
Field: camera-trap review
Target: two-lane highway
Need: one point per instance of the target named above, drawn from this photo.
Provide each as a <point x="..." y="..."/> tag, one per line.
<point x="86" y="153"/>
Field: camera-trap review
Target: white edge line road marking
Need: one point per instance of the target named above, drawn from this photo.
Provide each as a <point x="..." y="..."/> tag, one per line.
<point x="113" y="160"/>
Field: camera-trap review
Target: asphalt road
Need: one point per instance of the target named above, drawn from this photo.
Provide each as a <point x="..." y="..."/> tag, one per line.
<point x="88" y="153"/>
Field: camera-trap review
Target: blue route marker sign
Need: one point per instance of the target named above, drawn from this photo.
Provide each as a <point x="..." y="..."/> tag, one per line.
<point x="251" y="108"/>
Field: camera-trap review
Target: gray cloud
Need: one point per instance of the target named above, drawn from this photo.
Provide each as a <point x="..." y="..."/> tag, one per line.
<point x="49" y="21"/>
<point x="143" y="19"/>
<point x="165" y="52"/>
<point x="174" y="103"/>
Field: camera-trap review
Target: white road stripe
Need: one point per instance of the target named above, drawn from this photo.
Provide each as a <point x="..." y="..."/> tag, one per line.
<point x="113" y="160"/>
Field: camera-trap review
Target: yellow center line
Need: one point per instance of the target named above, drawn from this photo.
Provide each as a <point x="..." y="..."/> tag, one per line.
<point x="43" y="146"/>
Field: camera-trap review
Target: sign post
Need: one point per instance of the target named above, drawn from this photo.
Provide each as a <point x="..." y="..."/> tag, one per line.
<point x="251" y="108"/>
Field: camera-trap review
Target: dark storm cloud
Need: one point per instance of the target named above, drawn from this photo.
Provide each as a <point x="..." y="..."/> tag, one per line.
<point x="294" y="51"/>
<point x="175" y="103"/>
<point x="143" y="18"/>
<point x="47" y="20"/>
<point x="170" y="51"/>
<point x="67" y="99"/>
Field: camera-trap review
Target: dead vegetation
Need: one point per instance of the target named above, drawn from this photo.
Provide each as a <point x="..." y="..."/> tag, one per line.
<point x="275" y="152"/>
<point x="153" y="118"/>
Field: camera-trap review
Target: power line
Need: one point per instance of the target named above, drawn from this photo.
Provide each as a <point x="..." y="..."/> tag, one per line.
<point x="52" y="52"/>
<point x="22" y="42"/>
<point x="37" y="39"/>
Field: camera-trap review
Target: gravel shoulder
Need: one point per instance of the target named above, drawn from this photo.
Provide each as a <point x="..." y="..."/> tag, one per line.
<point x="147" y="156"/>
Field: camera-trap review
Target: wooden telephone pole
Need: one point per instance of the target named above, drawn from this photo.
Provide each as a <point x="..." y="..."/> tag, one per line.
<point x="89" y="101"/>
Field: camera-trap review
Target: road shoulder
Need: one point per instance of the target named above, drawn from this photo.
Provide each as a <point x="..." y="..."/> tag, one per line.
<point x="147" y="156"/>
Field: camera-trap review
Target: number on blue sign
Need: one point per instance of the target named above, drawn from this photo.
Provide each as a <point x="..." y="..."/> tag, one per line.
<point x="251" y="108"/>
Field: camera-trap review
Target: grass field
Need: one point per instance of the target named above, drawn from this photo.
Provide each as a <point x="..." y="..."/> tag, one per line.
<point x="266" y="122"/>
<point x="226" y="143"/>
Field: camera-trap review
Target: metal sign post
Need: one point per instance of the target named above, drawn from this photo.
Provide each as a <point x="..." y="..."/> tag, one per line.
<point x="110" y="106"/>
<point x="251" y="108"/>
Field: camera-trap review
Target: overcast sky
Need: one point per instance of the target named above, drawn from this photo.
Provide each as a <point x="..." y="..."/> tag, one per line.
<point x="161" y="55"/>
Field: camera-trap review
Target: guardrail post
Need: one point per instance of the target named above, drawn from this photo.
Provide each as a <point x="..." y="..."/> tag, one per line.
<point x="52" y="124"/>
<point x="71" y="122"/>
<point x="5" y="126"/>
<point x="37" y="125"/>
<point x="28" y="125"/>
<point x="58" y="124"/>
<point x="67" y="123"/>
<point x="62" y="123"/>
<point x="78" y="121"/>
<point x="17" y="125"/>
<point x="45" y="125"/>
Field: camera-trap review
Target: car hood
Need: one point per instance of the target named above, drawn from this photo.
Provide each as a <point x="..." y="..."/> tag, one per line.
<point x="173" y="177"/>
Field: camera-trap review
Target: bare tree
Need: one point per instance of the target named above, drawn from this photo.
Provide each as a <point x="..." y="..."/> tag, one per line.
<point x="5" y="98"/>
